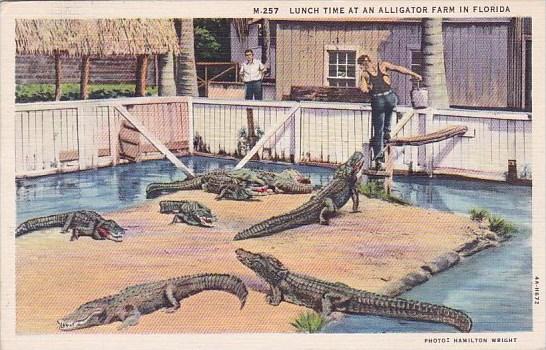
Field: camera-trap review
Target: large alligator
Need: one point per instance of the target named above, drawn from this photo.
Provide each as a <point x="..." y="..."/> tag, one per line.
<point x="130" y="303"/>
<point x="81" y="222"/>
<point x="320" y="207"/>
<point x="287" y="181"/>
<point x="327" y="297"/>
<point x="190" y="212"/>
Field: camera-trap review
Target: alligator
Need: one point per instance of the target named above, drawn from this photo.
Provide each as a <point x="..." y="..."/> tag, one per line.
<point x="326" y="297"/>
<point x="81" y="222"/>
<point x="320" y="207"/>
<point x="189" y="212"/>
<point x="132" y="302"/>
<point x="287" y="181"/>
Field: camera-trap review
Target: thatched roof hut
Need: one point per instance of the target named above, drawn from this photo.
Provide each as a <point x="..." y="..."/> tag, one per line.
<point x="95" y="37"/>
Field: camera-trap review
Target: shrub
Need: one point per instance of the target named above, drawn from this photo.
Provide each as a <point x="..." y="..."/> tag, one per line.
<point x="479" y="214"/>
<point x="309" y="322"/>
<point x="374" y="189"/>
<point x="501" y="227"/>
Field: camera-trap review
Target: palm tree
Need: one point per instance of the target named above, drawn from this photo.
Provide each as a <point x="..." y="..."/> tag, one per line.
<point x="186" y="75"/>
<point x="267" y="42"/>
<point x="167" y="83"/>
<point x="434" y="73"/>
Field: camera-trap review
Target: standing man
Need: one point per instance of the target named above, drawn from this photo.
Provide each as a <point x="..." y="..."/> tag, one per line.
<point x="252" y="72"/>
<point x="375" y="80"/>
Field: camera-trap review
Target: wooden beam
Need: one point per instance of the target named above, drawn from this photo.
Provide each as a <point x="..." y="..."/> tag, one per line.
<point x="58" y="76"/>
<point x="267" y="136"/>
<point x="141" y="72"/>
<point x="153" y="140"/>
<point x="84" y="78"/>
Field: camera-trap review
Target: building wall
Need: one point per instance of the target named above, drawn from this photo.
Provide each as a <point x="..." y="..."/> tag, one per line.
<point x="41" y="69"/>
<point x="475" y="56"/>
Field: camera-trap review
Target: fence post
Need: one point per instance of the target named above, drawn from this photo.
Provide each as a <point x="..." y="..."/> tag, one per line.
<point x="189" y="102"/>
<point x="87" y="148"/>
<point x="114" y="128"/>
<point x="295" y="143"/>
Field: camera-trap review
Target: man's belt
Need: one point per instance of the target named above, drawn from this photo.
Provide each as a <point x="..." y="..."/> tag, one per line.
<point x="382" y="93"/>
<point x="252" y="81"/>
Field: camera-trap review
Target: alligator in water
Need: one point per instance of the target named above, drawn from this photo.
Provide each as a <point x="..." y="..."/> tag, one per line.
<point x="189" y="212"/>
<point x="327" y="297"/>
<point x="130" y="303"/>
<point x="81" y="222"/>
<point x="287" y="181"/>
<point x="320" y="207"/>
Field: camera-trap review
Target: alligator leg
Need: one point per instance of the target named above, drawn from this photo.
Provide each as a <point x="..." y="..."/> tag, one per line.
<point x="274" y="297"/>
<point x="176" y="219"/>
<point x="68" y="223"/>
<point x="169" y="293"/>
<point x="327" y="211"/>
<point x="329" y="300"/>
<point x="75" y="235"/>
<point x="131" y="318"/>
<point x="356" y="200"/>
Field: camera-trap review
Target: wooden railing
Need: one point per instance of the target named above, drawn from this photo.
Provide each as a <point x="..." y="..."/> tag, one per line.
<point x="204" y="76"/>
<point x="66" y="136"/>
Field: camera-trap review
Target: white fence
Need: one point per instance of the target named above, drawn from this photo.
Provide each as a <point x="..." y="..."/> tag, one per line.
<point x="67" y="136"/>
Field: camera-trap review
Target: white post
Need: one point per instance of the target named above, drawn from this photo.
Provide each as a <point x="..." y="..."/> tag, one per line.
<point x="87" y="150"/>
<point x="191" y="134"/>
<point x="153" y="140"/>
<point x="296" y="136"/>
<point x="267" y="136"/>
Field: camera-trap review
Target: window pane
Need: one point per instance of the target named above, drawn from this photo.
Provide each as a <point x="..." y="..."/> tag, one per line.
<point x="332" y="70"/>
<point x="342" y="71"/>
<point x="342" y="57"/>
<point x="351" y="57"/>
<point x="332" y="57"/>
<point x="351" y="71"/>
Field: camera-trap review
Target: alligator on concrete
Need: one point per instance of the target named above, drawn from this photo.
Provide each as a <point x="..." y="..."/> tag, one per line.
<point x="189" y="212"/>
<point x="327" y="297"/>
<point x="130" y="303"/>
<point x="81" y="222"/>
<point x="320" y="207"/>
<point x="287" y="181"/>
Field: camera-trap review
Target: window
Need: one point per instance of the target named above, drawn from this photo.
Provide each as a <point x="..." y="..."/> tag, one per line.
<point x="341" y="68"/>
<point x="417" y="61"/>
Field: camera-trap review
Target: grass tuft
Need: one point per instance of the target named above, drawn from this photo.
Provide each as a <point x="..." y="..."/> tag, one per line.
<point x="309" y="322"/>
<point x="500" y="226"/>
<point x="479" y="214"/>
<point x="374" y="189"/>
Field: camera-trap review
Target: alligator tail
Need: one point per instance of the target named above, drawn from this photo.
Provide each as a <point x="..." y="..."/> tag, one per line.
<point x="295" y="188"/>
<point x="412" y="310"/>
<point x="156" y="189"/>
<point x="271" y="226"/>
<point x="222" y="282"/>
<point x="56" y="220"/>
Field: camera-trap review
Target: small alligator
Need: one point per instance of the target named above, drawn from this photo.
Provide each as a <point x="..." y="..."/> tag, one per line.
<point x="320" y="207"/>
<point x="287" y="181"/>
<point x="130" y="303"/>
<point x="190" y="212"/>
<point x="81" y="222"/>
<point x="327" y="297"/>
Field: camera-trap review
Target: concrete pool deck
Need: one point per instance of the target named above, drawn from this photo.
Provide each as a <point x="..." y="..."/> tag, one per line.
<point x="385" y="248"/>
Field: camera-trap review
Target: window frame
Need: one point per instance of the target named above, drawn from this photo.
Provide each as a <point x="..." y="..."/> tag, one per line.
<point x="326" y="74"/>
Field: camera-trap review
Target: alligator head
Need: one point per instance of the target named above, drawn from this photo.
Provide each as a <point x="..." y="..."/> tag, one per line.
<point x="351" y="167"/>
<point x="265" y="266"/>
<point x="109" y="229"/>
<point x="93" y="313"/>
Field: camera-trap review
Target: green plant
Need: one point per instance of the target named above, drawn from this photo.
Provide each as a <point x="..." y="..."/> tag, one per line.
<point x="501" y="226"/>
<point x="374" y="189"/>
<point x="309" y="322"/>
<point x="479" y="214"/>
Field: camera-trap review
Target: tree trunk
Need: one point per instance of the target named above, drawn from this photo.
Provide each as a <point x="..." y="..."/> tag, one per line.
<point x="84" y="78"/>
<point x="141" y="72"/>
<point x="266" y="51"/>
<point x="434" y="74"/>
<point x="186" y="75"/>
<point x="167" y="84"/>
<point x="58" y="76"/>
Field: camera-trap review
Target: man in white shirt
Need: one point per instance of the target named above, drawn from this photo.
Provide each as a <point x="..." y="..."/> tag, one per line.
<point x="252" y="72"/>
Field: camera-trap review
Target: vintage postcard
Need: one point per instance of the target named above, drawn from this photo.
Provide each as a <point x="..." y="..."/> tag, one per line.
<point x="272" y="175"/>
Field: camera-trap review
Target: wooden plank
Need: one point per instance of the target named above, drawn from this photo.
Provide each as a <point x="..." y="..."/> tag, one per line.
<point x="153" y="140"/>
<point x="270" y="133"/>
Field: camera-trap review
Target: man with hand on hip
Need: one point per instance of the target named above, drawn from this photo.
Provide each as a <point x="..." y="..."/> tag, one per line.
<point x="252" y="72"/>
